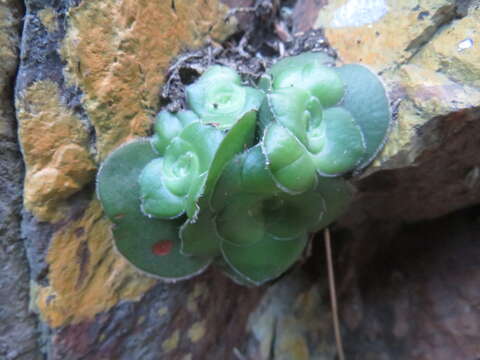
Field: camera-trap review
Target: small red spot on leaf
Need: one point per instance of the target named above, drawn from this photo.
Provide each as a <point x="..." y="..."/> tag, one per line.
<point x="162" y="248"/>
<point x="119" y="216"/>
<point x="216" y="124"/>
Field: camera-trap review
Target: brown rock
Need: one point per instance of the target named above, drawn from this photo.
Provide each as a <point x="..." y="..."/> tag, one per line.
<point x="117" y="54"/>
<point x="382" y="33"/>
<point x="54" y="143"/>
<point x="86" y="275"/>
<point x="18" y="327"/>
<point x="405" y="291"/>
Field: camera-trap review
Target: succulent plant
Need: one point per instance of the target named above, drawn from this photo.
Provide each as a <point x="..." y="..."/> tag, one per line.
<point x="319" y="119"/>
<point x="204" y="190"/>
<point x="219" y="97"/>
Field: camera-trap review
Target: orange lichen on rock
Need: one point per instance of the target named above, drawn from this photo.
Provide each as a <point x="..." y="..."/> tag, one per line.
<point x="86" y="276"/>
<point x="54" y="144"/>
<point x="117" y="53"/>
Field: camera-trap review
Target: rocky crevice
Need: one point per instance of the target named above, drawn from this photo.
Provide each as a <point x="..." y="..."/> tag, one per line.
<point x="18" y="327"/>
<point x="100" y="307"/>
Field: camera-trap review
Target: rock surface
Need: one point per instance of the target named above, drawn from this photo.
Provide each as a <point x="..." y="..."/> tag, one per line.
<point x="405" y="292"/>
<point x="89" y="80"/>
<point x="90" y="77"/>
<point x="18" y="335"/>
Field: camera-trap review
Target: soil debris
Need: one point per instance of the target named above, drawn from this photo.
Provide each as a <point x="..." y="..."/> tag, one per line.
<point x="265" y="34"/>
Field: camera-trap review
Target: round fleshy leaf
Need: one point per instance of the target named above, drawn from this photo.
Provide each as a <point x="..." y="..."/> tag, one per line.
<point x="292" y="63"/>
<point x="186" y="117"/>
<point x="289" y="216"/>
<point x="336" y="144"/>
<point x="174" y="183"/>
<point x="288" y="160"/>
<point x="204" y="141"/>
<point x="117" y="179"/>
<point x="241" y="221"/>
<point x="153" y="246"/>
<point x="265" y="83"/>
<point x="367" y="101"/>
<point x="290" y="107"/>
<point x="320" y="81"/>
<point x="219" y="98"/>
<point x="232" y="274"/>
<point x="228" y="184"/>
<point x="199" y="236"/>
<point x="254" y="174"/>
<point x="246" y="173"/>
<point x="337" y="195"/>
<point x="180" y="165"/>
<point x="158" y="200"/>
<point x="238" y="139"/>
<point x="265" y="260"/>
<point x="167" y="126"/>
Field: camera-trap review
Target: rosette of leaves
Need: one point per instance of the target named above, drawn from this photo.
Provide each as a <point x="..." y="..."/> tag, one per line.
<point x="255" y="229"/>
<point x="319" y="120"/>
<point x="219" y="98"/>
<point x="147" y="185"/>
<point x="197" y="192"/>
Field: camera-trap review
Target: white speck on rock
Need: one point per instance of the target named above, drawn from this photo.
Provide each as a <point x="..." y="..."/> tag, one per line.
<point x="359" y="12"/>
<point x="464" y="45"/>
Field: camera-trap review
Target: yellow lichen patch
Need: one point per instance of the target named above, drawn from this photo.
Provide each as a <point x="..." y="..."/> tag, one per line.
<point x="293" y="347"/>
<point x="54" y="143"/>
<point x="368" y="31"/>
<point x="200" y="291"/>
<point x="9" y="45"/>
<point x="86" y="276"/>
<point x="401" y="135"/>
<point x="163" y="311"/>
<point x="456" y="50"/>
<point x="48" y="17"/>
<point x="197" y="331"/>
<point x="172" y="342"/>
<point x="434" y="92"/>
<point x="117" y="53"/>
<point x="428" y="94"/>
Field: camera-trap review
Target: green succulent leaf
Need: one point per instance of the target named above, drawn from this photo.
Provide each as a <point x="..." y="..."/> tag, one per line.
<point x="235" y="276"/>
<point x="171" y="185"/>
<point x="367" y="101"/>
<point x="151" y="245"/>
<point x="239" y="138"/>
<point x="248" y="209"/>
<point x="320" y="81"/>
<point x="192" y="163"/>
<point x="219" y="98"/>
<point x="293" y="63"/>
<point x="168" y="126"/>
<point x="199" y="236"/>
<point x="116" y="177"/>
<point x="157" y="199"/>
<point x="265" y="260"/>
<point x="289" y="162"/>
<point x="240" y="222"/>
<point x="246" y="173"/>
<point x="337" y="195"/>
<point x="336" y="144"/>
<point x="247" y="219"/>
<point x="251" y="211"/>
<point x="294" y="108"/>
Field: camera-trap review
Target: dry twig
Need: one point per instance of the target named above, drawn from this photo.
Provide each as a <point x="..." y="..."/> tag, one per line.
<point x="333" y="295"/>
